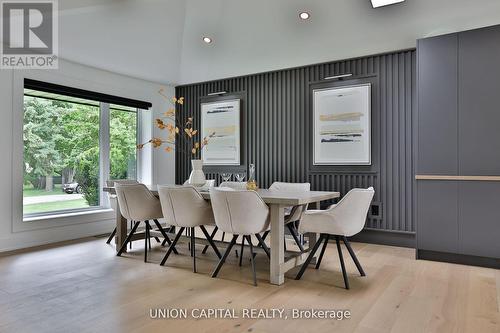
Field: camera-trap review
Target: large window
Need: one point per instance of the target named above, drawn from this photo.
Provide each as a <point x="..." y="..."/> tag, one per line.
<point x="71" y="146"/>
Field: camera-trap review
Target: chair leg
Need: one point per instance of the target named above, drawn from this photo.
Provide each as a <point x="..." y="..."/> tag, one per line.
<point x="165" y="236"/>
<point x="342" y="265"/>
<point x="309" y="257"/>
<point x="327" y="237"/>
<point x="224" y="256"/>
<point x="212" y="235"/>
<point x="293" y="231"/>
<point x="127" y="240"/>
<point x="172" y="246"/>
<point x="111" y="236"/>
<point x="252" y="260"/>
<point x="156" y="238"/>
<point x="353" y="256"/>
<point x="146" y="239"/>
<point x="131" y="226"/>
<point x="210" y="241"/>
<point x="264" y="235"/>
<point x="223" y="235"/>
<point x="193" y="249"/>
<point x="242" y="247"/>
<point x="148" y="227"/>
<point x="263" y="245"/>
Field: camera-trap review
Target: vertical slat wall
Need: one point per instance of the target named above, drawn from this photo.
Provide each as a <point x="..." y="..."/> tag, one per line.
<point x="277" y="134"/>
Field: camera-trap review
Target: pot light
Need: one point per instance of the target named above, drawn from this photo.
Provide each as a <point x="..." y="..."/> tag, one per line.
<point x="207" y="40"/>
<point x="381" y="3"/>
<point x="304" y="15"/>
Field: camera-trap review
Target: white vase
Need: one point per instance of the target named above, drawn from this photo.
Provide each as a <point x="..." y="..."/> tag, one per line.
<point x="197" y="177"/>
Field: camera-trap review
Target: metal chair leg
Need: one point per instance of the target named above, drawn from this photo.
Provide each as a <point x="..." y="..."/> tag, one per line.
<point x="111" y="236"/>
<point x="242" y="247"/>
<point x="129" y="237"/>
<point x="353" y="256"/>
<point x="263" y="245"/>
<point x="165" y="236"/>
<point x="293" y="231"/>
<point x="148" y="227"/>
<point x="309" y="257"/>
<point x="327" y="237"/>
<point x="193" y="249"/>
<point x="224" y="256"/>
<point x="212" y="235"/>
<point x="211" y="241"/>
<point x="264" y="235"/>
<point x="342" y="265"/>
<point x="252" y="260"/>
<point x="146" y="241"/>
<point x="172" y="246"/>
<point x="131" y="226"/>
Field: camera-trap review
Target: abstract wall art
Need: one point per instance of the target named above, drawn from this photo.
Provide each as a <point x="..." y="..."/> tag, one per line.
<point x="342" y="125"/>
<point x="223" y="119"/>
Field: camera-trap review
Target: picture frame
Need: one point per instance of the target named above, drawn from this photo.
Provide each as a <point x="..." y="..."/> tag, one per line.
<point x="342" y="125"/>
<point x="223" y="119"/>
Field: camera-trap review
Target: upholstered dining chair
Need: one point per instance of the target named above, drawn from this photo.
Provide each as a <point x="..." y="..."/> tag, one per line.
<point x="138" y="204"/>
<point x="345" y="219"/>
<point x="239" y="212"/>
<point x="112" y="197"/>
<point x="184" y="207"/>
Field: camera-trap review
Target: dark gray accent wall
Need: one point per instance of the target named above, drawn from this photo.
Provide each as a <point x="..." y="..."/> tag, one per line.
<point x="277" y="130"/>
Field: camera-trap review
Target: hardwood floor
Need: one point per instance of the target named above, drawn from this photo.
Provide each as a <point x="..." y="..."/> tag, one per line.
<point x="83" y="287"/>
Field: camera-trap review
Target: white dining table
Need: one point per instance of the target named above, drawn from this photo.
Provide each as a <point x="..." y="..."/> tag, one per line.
<point x="277" y="202"/>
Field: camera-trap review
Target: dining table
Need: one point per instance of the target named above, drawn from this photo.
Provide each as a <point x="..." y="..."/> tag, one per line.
<point x="277" y="201"/>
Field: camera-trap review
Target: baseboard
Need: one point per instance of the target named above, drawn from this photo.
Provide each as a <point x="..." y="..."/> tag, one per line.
<point x="455" y="258"/>
<point x="386" y="237"/>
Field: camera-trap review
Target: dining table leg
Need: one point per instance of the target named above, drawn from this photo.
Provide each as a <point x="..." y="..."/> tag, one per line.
<point x="277" y="217"/>
<point x="121" y="226"/>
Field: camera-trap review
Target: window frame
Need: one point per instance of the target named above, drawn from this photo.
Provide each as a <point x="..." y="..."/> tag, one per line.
<point x="87" y="214"/>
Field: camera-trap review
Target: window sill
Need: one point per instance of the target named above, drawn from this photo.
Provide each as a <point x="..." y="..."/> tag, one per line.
<point x="67" y="214"/>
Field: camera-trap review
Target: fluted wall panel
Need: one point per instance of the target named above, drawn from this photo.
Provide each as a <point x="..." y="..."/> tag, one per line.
<point x="277" y="131"/>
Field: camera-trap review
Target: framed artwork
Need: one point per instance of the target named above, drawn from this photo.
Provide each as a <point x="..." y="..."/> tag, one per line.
<point x="342" y="125"/>
<point x="223" y="119"/>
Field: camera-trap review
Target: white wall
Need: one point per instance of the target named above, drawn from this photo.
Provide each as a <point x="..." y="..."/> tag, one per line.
<point x="157" y="166"/>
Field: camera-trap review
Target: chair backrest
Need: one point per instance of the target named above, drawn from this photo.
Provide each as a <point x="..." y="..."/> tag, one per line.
<point x="183" y="206"/>
<point x="137" y="203"/>
<point x="111" y="183"/>
<point x="239" y="212"/>
<point x="234" y="185"/>
<point x="208" y="183"/>
<point x="352" y="209"/>
<point x="296" y="212"/>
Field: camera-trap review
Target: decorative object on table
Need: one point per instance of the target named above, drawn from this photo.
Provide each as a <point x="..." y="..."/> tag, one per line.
<point x="222" y="118"/>
<point x="342" y="125"/>
<point x="251" y="183"/>
<point x="187" y="135"/>
<point x="226" y="176"/>
<point x="240" y="176"/>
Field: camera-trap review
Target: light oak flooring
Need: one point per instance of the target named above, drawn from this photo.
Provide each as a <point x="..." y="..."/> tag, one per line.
<point x="83" y="287"/>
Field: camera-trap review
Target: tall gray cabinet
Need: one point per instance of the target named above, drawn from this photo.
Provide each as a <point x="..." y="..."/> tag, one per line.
<point x="458" y="147"/>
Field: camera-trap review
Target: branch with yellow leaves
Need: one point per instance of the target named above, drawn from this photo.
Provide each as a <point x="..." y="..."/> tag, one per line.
<point x="170" y="122"/>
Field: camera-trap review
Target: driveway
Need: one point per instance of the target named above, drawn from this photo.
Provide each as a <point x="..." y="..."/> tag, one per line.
<point x="51" y="198"/>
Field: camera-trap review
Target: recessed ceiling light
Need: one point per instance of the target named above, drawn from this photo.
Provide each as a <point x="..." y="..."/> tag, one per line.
<point x="304" y="15"/>
<point x="380" y="3"/>
<point x="207" y="40"/>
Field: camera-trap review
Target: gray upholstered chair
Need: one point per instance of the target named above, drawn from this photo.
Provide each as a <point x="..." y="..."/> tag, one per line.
<point x="184" y="207"/>
<point x="239" y="213"/>
<point x="138" y="204"/>
<point x="342" y="220"/>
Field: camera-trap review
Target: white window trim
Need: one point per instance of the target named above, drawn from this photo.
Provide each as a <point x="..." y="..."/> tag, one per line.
<point x="51" y="219"/>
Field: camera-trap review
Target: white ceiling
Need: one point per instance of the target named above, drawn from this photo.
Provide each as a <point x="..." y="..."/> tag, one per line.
<point x="161" y="40"/>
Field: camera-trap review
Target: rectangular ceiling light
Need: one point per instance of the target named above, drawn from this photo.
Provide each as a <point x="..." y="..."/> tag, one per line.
<point x="381" y="3"/>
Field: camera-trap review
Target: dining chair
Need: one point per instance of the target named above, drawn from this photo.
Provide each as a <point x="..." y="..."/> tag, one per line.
<point x="184" y="207"/>
<point x="345" y="219"/>
<point x="138" y="204"/>
<point x="239" y="212"/>
<point x="292" y="214"/>
<point x="112" y="197"/>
